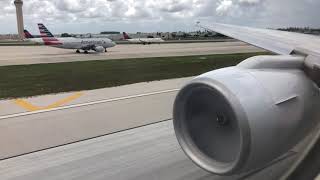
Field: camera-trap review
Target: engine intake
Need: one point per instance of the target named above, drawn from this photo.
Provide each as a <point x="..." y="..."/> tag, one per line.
<point x="240" y="118"/>
<point x="99" y="49"/>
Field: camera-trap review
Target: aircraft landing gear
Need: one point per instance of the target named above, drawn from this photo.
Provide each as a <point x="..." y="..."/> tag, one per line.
<point x="86" y="52"/>
<point x="78" y="51"/>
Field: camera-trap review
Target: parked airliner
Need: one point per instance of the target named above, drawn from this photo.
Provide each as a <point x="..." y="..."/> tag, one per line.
<point x="34" y="38"/>
<point x="143" y="41"/>
<point x="87" y="44"/>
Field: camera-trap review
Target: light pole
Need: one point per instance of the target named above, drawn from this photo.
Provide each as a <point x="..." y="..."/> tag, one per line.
<point x="19" y="4"/>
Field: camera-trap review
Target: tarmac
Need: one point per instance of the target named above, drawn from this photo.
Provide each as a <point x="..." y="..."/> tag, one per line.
<point x="16" y="55"/>
<point x="120" y="133"/>
<point x="38" y="123"/>
<point x="117" y="133"/>
<point x="145" y="153"/>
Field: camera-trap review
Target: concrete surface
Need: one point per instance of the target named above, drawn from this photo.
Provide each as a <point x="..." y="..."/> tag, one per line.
<point x="124" y="138"/>
<point x="10" y="106"/>
<point x="145" y="153"/>
<point x="95" y="113"/>
<point x="14" y="55"/>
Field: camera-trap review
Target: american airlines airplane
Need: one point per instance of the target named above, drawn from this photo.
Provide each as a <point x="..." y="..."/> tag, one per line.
<point x="143" y="41"/>
<point x="239" y="119"/>
<point x="28" y="35"/>
<point x="34" y="38"/>
<point x="87" y="44"/>
<point x="38" y="38"/>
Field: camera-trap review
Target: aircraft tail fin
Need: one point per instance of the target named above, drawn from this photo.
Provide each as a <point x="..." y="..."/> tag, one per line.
<point x="126" y="36"/>
<point x="27" y="34"/>
<point x="44" y="32"/>
<point x="47" y="37"/>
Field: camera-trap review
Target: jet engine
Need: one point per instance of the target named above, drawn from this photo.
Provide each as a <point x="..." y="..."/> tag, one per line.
<point x="234" y="120"/>
<point x="99" y="49"/>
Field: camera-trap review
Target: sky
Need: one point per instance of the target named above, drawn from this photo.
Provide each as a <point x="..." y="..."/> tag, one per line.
<point x="93" y="16"/>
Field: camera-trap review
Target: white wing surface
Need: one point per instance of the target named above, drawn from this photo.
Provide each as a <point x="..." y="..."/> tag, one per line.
<point x="279" y="42"/>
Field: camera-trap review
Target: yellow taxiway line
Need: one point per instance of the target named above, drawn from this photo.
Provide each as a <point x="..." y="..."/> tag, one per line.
<point x="30" y="107"/>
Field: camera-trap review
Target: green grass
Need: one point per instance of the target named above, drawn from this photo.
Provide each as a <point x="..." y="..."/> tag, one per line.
<point x="31" y="80"/>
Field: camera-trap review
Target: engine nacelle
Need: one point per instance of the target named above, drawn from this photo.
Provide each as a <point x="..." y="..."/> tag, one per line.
<point x="240" y="118"/>
<point x="99" y="49"/>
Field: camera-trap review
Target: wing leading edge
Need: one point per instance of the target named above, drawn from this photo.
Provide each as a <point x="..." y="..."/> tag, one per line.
<point x="279" y="42"/>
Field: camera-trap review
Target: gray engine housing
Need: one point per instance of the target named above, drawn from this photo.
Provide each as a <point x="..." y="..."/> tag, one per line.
<point x="237" y="119"/>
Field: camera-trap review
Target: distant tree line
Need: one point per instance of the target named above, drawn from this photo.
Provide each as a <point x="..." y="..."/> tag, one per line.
<point x="194" y="35"/>
<point x="306" y="30"/>
<point x="66" y="35"/>
<point x="110" y="32"/>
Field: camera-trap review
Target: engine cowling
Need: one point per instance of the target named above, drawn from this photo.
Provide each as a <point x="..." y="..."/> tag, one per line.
<point x="237" y="119"/>
<point x="99" y="49"/>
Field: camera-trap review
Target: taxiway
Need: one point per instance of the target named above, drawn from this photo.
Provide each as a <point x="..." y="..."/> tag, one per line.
<point x="16" y="55"/>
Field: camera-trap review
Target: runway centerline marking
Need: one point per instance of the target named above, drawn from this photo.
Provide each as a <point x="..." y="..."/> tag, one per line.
<point x="85" y="104"/>
<point x="30" y="107"/>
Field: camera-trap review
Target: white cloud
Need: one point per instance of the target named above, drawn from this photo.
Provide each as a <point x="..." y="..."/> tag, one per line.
<point x="72" y="5"/>
<point x="224" y="6"/>
<point x="238" y="8"/>
<point x="249" y="2"/>
<point x="155" y="15"/>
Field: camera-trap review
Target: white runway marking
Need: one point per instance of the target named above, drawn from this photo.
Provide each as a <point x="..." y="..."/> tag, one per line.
<point x="86" y="104"/>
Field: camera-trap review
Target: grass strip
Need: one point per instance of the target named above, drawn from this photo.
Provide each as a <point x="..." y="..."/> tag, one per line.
<point x="38" y="79"/>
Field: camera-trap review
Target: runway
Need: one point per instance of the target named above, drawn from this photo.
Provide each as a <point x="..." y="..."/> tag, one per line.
<point x="94" y="113"/>
<point x="146" y="153"/>
<point x="114" y="133"/>
<point x="15" y="55"/>
<point x="11" y="106"/>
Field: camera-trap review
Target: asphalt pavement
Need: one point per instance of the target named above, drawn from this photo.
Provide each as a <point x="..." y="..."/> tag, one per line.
<point x="16" y="55"/>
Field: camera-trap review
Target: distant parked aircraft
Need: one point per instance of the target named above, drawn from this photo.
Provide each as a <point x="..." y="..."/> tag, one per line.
<point x="143" y="41"/>
<point x="28" y="35"/>
<point x="87" y="44"/>
<point x="34" y="38"/>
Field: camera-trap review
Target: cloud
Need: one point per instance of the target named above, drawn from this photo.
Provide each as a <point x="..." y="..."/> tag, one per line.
<point x="173" y="6"/>
<point x="72" y="5"/>
<point x="249" y="2"/>
<point x="224" y="6"/>
<point x="158" y="15"/>
<point x="238" y="8"/>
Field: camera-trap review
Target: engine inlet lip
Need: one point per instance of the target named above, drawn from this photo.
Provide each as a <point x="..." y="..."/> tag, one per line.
<point x="191" y="150"/>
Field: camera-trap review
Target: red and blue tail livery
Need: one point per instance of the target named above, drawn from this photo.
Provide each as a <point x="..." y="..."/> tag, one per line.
<point x="126" y="36"/>
<point x="27" y="34"/>
<point x="44" y="32"/>
<point x="47" y="37"/>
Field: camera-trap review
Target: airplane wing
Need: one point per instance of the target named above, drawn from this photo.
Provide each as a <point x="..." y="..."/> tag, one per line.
<point x="280" y="42"/>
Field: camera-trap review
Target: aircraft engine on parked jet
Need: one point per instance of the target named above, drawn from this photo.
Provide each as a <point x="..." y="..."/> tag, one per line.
<point x="240" y="118"/>
<point x="99" y="49"/>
